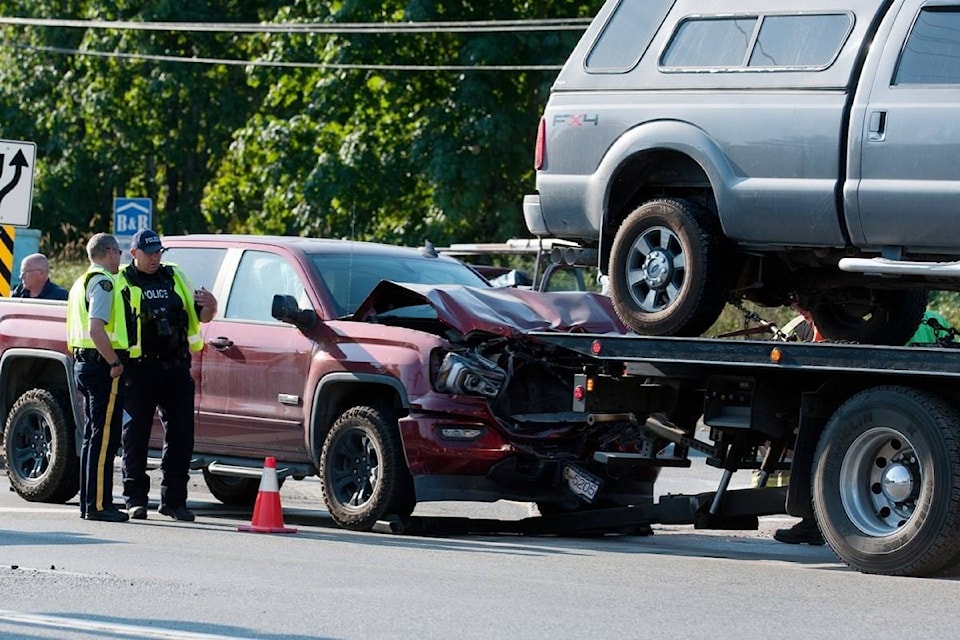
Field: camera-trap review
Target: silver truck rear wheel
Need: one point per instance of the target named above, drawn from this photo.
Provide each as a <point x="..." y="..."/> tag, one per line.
<point x="667" y="269"/>
<point x="878" y="317"/>
<point x="39" y="448"/>
<point x="886" y="482"/>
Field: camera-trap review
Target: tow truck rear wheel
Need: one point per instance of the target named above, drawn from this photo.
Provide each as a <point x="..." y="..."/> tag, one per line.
<point x="39" y="448"/>
<point x="668" y="271"/>
<point x="886" y="482"/>
<point x="363" y="472"/>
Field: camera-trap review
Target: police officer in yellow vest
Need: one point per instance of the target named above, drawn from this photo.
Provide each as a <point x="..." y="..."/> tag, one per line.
<point x="170" y="317"/>
<point x="101" y="329"/>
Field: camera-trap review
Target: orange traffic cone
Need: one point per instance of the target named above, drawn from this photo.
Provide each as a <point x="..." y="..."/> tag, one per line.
<point x="267" y="512"/>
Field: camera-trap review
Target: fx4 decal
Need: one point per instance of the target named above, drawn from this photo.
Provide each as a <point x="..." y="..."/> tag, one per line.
<point x="576" y="119"/>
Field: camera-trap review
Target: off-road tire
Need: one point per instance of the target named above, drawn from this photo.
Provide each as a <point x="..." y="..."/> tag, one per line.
<point x="363" y="471"/>
<point x="40" y="450"/>
<point x="891" y="319"/>
<point x="886" y="482"/>
<point x="668" y="269"/>
<point x="233" y="490"/>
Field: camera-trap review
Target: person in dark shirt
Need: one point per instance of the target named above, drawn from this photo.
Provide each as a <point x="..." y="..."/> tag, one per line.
<point x="806" y="531"/>
<point x="171" y="311"/>
<point x="35" y="280"/>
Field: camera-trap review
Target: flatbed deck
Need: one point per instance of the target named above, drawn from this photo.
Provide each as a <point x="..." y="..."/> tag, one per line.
<point x="671" y="355"/>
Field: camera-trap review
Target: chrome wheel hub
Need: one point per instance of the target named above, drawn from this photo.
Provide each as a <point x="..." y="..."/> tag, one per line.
<point x="880" y="481"/>
<point x="897" y="482"/>
<point x="656" y="269"/>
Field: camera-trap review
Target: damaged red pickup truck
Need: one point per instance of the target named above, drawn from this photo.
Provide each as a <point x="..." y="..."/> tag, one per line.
<point x="396" y="375"/>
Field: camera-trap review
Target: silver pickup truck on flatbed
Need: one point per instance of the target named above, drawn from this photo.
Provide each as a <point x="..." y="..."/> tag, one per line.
<point x="789" y="152"/>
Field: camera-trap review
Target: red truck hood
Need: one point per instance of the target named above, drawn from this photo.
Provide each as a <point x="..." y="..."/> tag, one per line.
<point x="504" y="312"/>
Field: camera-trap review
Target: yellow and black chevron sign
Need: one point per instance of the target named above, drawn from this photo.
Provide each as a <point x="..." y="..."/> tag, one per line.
<point x="7" y="235"/>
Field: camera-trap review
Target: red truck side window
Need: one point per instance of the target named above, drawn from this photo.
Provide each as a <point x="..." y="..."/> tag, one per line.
<point x="260" y="276"/>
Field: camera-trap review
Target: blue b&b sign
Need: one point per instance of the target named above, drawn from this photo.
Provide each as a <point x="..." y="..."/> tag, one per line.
<point x="130" y="215"/>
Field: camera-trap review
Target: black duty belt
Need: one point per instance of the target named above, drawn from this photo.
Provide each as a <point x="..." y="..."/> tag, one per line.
<point x="165" y="357"/>
<point x="92" y="355"/>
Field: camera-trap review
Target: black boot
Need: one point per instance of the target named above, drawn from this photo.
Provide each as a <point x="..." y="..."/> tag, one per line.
<point x="804" y="532"/>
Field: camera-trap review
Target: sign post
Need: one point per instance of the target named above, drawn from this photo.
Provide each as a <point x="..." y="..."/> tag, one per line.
<point x="129" y="216"/>
<point x="7" y="236"/>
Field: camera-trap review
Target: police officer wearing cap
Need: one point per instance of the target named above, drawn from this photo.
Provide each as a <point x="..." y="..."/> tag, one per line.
<point x="101" y="329"/>
<point x="170" y="316"/>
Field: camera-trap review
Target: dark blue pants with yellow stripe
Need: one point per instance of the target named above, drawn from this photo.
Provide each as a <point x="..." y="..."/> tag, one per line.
<point x="103" y="409"/>
<point x="166" y="385"/>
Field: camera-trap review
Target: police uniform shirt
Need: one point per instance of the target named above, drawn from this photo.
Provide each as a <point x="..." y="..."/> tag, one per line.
<point x="100" y="297"/>
<point x="162" y="326"/>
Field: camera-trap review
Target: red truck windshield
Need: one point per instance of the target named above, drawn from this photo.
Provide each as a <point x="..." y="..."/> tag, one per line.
<point x="351" y="277"/>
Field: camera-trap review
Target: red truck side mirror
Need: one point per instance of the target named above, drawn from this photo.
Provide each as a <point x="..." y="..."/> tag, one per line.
<point x="286" y="309"/>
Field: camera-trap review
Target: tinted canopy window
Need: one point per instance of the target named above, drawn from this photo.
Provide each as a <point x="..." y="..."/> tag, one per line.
<point x="781" y="41"/>
<point x="710" y="43"/>
<point x="932" y="52"/>
<point x="626" y="35"/>
<point x="799" y="41"/>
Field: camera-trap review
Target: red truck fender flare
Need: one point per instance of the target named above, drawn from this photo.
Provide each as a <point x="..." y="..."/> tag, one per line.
<point x="11" y="386"/>
<point x="328" y="402"/>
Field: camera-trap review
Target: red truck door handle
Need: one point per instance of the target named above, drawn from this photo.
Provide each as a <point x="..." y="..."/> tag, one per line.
<point x="220" y="343"/>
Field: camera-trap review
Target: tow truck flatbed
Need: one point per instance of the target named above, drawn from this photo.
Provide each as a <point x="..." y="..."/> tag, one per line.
<point x="694" y="354"/>
<point x="870" y="434"/>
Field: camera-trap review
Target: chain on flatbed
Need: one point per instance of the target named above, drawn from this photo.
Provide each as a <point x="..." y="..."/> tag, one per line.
<point x="762" y="324"/>
<point x="946" y="336"/>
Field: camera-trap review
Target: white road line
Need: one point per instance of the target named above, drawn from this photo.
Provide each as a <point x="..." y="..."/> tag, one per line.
<point x="73" y="509"/>
<point x="79" y="624"/>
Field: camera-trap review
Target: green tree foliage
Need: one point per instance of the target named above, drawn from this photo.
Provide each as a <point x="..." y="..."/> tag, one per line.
<point x="394" y="155"/>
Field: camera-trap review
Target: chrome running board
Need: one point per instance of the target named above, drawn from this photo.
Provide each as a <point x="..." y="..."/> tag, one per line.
<point x="886" y="267"/>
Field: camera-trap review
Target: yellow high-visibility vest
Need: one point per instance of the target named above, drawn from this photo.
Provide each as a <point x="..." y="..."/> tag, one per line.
<point x="118" y="331"/>
<point x="181" y="285"/>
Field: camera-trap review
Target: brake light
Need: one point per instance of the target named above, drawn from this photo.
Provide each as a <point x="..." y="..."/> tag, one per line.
<point x="540" y="152"/>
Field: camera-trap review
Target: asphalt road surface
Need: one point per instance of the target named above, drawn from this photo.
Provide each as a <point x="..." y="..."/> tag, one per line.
<point x="62" y="577"/>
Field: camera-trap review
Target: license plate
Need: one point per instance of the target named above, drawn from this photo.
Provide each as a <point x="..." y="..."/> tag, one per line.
<point x="581" y="483"/>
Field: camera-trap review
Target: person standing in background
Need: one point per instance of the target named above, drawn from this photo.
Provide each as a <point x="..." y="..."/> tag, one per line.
<point x="35" y="280"/>
<point x="802" y="327"/>
<point x="806" y="531"/>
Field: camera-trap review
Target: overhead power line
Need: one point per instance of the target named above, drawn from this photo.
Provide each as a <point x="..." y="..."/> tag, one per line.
<point x="480" y="26"/>
<point x="349" y="28"/>
<point x="275" y="63"/>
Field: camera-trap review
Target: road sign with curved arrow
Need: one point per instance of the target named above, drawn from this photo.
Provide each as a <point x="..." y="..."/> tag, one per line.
<point x="17" y="160"/>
